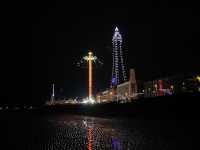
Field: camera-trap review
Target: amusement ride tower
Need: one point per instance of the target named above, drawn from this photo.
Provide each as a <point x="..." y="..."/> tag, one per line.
<point x="118" y="69"/>
<point x="90" y="60"/>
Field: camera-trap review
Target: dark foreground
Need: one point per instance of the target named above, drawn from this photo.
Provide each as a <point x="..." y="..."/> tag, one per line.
<point x="69" y="132"/>
<point x="42" y="130"/>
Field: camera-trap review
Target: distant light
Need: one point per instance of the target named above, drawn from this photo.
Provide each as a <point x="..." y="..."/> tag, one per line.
<point x="16" y="108"/>
<point x="89" y="101"/>
<point x="114" y="80"/>
<point x="198" y="78"/>
<point x="85" y="123"/>
<point x="116" y="29"/>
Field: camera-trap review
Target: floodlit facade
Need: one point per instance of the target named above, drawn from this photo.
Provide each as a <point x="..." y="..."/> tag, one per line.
<point x="124" y="91"/>
<point x="108" y="95"/>
<point x="128" y="90"/>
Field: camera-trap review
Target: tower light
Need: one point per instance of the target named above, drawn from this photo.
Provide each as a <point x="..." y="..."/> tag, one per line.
<point x="90" y="58"/>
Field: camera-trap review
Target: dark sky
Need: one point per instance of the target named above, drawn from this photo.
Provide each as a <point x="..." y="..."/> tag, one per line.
<point x="160" y="39"/>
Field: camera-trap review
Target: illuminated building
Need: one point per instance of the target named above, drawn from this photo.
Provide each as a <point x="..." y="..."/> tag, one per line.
<point x="128" y="90"/>
<point x="171" y="85"/>
<point x="108" y="95"/>
<point x="159" y="87"/>
<point x="123" y="91"/>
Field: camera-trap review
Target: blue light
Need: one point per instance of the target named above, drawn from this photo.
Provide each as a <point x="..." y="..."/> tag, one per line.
<point x="113" y="80"/>
<point x="116" y="144"/>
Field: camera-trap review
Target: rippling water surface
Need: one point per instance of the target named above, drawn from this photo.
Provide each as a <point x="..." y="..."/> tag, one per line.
<point x="73" y="132"/>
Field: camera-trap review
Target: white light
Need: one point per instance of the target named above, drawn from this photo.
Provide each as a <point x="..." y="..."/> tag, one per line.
<point x="118" y="67"/>
<point x="88" y="100"/>
<point x="91" y="100"/>
<point x="116" y="29"/>
<point x="85" y="102"/>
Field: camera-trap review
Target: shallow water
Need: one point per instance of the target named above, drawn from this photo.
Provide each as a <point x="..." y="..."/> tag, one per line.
<point x="73" y="132"/>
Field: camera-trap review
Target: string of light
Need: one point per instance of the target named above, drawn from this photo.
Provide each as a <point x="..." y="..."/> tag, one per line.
<point x="117" y="59"/>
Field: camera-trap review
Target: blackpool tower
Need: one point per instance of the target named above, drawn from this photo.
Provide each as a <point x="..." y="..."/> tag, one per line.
<point x="118" y="69"/>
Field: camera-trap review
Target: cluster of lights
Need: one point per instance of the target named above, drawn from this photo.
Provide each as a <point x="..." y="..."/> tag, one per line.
<point x="88" y="100"/>
<point x="122" y="62"/>
<point x="117" y="48"/>
<point x="198" y="78"/>
<point x="87" y="58"/>
<point x="116" y="62"/>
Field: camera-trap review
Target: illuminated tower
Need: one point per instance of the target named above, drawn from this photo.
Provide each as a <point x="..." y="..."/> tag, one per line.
<point x="118" y="69"/>
<point x="90" y="58"/>
<point x="90" y="61"/>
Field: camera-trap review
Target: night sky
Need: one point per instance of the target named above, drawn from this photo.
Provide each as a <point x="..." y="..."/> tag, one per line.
<point x="159" y="39"/>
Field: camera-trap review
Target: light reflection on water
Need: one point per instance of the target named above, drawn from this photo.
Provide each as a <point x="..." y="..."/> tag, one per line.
<point x="93" y="133"/>
<point x="115" y="142"/>
<point x="68" y="132"/>
<point x="101" y="129"/>
<point x="90" y="139"/>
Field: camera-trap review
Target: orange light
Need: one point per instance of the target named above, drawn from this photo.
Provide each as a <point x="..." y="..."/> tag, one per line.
<point x="90" y="58"/>
<point x="89" y="139"/>
<point x="90" y="75"/>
